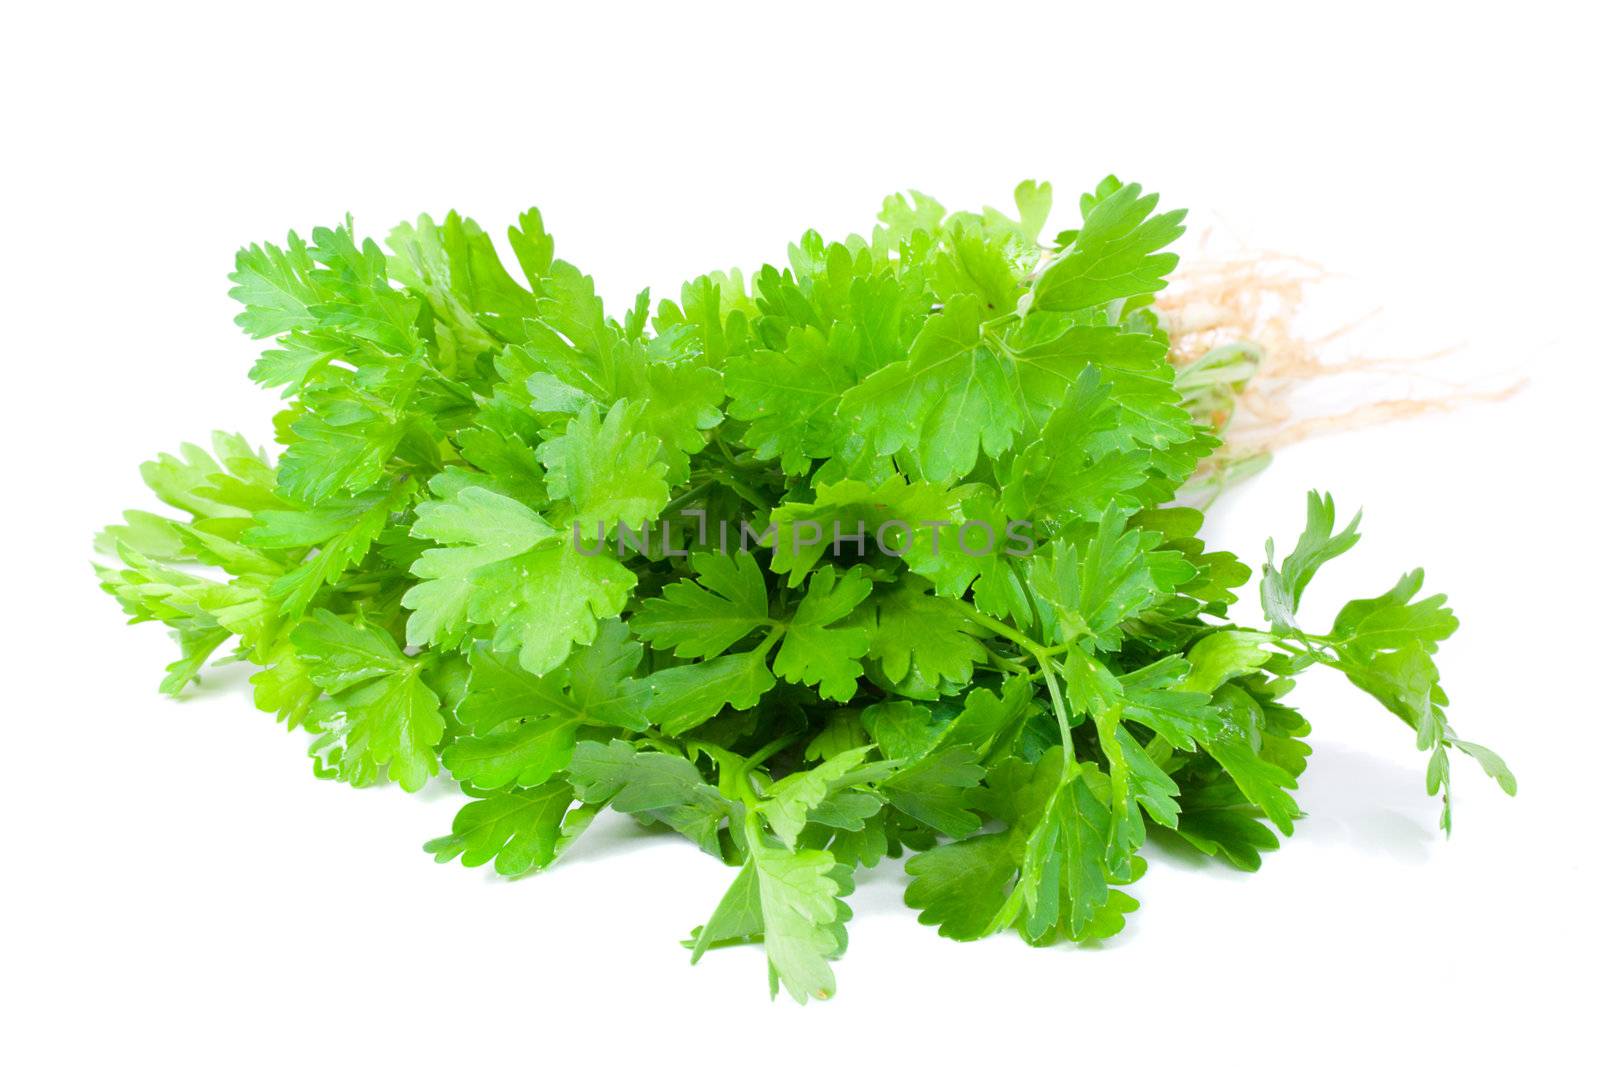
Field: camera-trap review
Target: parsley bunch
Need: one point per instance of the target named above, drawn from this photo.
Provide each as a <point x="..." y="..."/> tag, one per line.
<point x="876" y="554"/>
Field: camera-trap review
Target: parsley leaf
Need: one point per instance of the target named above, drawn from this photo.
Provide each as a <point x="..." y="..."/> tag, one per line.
<point x="509" y="572"/>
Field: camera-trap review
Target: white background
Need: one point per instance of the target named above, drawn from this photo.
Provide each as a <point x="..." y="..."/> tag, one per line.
<point x="178" y="885"/>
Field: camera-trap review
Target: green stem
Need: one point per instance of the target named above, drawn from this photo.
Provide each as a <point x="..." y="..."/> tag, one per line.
<point x="770" y="749"/>
<point x="684" y="497"/>
<point x="1011" y="665"/>
<point x="1060" y="708"/>
<point x="774" y="632"/>
<point x="1016" y="637"/>
<point x="1047" y="667"/>
<point x="1301" y="643"/>
<point x="747" y="796"/>
<point x="743" y="491"/>
<point x="658" y="740"/>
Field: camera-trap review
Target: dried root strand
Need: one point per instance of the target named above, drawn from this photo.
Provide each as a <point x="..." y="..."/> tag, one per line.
<point x="1251" y="305"/>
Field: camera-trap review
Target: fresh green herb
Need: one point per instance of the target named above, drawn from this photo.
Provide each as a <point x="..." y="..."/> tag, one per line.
<point x="876" y="555"/>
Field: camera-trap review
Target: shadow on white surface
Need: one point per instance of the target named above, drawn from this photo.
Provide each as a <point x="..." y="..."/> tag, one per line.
<point x="1355" y="799"/>
<point x="612" y="835"/>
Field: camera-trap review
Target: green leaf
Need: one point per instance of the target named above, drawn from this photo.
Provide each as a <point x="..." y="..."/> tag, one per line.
<point x="901" y="729"/>
<point x="790" y="901"/>
<point x="737" y="920"/>
<point x="792" y="798"/>
<point x="919" y="637"/>
<point x="1086" y="462"/>
<point x="500" y="691"/>
<point x="1115" y="255"/>
<point x="1492" y="764"/>
<point x="788" y="398"/>
<point x="704" y="616"/>
<point x="989" y="721"/>
<point x="511" y="573"/>
<point x="1085" y="827"/>
<point x="938" y="790"/>
<point x="949" y="398"/>
<point x="1091" y="588"/>
<point x="1236" y="745"/>
<point x="1158" y="696"/>
<point x="1222" y="655"/>
<point x="681" y="698"/>
<point x="1150" y="786"/>
<point x="526" y="755"/>
<point x="340" y="532"/>
<point x="656" y="786"/>
<point x="519" y="830"/>
<point x="1281" y="589"/>
<point x="1392" y="621"/>
<point x="384" y="717"/>
<point x="1235" y="835"/>
<point x="960" y="887"/>
<point x="917" y="522"/>
<point x="524" y="728"/>
<point x="817" y="651"/>
<point x="607" y="470"/>
<point x="344" y="448"/>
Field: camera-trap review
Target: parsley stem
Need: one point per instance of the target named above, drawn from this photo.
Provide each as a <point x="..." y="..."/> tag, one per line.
<point x="743" y="491"/>
<point x="1060" y="708"/>
<point x="1016" y="637"/>
<point x="1011" y="665"/>
<point x="684" y="497"/>
<point x="658" y="740"/>
<point x="771" y="748"/>
<point x="1047" y="667"/>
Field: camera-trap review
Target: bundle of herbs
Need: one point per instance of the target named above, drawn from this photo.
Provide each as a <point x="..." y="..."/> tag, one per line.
<point x="875" y="555"/>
